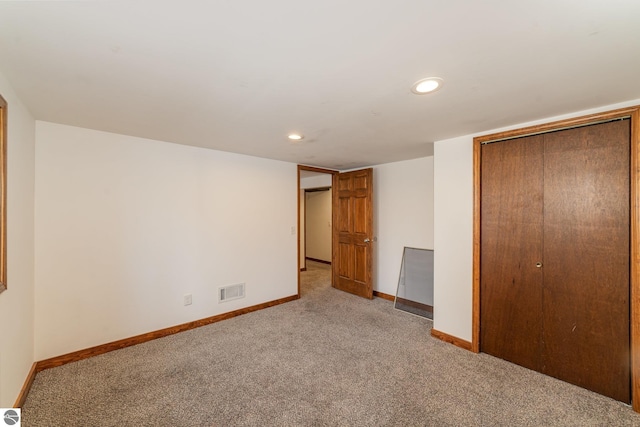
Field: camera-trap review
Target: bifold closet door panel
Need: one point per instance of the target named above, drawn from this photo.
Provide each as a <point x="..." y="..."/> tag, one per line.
<point x="511" y="245"/>
<point x="586" y="328"/>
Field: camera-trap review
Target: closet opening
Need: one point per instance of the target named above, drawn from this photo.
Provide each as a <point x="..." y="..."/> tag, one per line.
<point x="555" y="206"/>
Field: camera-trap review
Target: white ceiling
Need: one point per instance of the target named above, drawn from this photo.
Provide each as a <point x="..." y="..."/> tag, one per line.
<point x="239" y="75"/>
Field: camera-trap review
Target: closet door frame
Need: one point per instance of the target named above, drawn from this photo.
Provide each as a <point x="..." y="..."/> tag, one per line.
<point x="630" y="112"/>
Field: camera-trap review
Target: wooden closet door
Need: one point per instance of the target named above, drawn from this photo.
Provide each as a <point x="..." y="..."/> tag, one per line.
<point x="510" y="246"/>
<point x="586" y="328"/>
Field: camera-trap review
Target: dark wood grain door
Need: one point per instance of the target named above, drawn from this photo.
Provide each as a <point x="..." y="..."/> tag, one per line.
<point x="353" y="232"/>
<point x="511" y="245"/>
<point x="555" y="257"/>
<point x="586" y="330"/>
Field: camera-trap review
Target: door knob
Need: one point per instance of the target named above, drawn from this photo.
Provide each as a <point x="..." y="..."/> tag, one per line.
<point x="538" y="264"/>
<point x="367" y="240"/>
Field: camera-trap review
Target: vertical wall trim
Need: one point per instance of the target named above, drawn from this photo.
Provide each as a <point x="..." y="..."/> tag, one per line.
<point x="635" y="259"/>
<point x="4" y="118"/>
<point x="475" y="314"/>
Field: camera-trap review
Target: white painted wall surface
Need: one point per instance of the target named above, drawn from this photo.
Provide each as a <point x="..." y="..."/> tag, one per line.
<point x="318" y="225"/>
<point x="125" y="227"/>
<point x="453" y="238"/>
<point x="453" y="232"/>
<point x="17" y="302"/>
<point x="318" y="181"/>
<point x="403" y="216"/>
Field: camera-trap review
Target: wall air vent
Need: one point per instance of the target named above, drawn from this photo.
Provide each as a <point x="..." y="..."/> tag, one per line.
<point x="231" y="292"/>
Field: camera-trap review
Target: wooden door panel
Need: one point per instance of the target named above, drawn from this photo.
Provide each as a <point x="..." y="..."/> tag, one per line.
<point x="586" y="258"/>
<point x="344" y="182"/>
<point x="361" y="215"/>
<point x="360" y="180"/>
<point x="344" y="221"/>
<point x="361" y="261"/>
<point x="511" y="245"/>
<point x="345" y="268"/>
<point x="353" y="217"/>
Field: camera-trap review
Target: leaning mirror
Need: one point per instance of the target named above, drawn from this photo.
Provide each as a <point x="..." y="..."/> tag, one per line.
<point x="415" y="286"/>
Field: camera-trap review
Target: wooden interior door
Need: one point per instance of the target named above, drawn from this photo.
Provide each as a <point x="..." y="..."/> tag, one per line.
<point x="511" y="246"/>
<point x="586" y="263"/>
<point x="555" y="255"/>
<point x="353" y="232"/>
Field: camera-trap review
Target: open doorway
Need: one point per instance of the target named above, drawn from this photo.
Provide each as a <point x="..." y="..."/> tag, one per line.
<point x="314" y="221"/>
<point x="317" y="225"/>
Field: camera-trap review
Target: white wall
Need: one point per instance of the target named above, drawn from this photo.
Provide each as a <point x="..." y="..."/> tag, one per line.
<point x="453" y="232"/>
<point x="453" y="239"/>
<point x="17" y="302"/>
<point x="318" y="225"/>
<point x="317" y="181"/>
<point x="126" y="226"/>
<point x="403" y="216"/>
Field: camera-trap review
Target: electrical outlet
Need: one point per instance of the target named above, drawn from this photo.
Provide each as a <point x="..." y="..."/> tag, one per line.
<point x="187" y="299"/>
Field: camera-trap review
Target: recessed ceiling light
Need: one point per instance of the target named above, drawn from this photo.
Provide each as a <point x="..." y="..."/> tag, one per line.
<point x="428" y="85"/>
<point x="295" y="136"/>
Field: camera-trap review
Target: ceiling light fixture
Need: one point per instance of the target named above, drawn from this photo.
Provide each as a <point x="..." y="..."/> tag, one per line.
<point x="295" y="137"/>
<point x="428" y="85"/>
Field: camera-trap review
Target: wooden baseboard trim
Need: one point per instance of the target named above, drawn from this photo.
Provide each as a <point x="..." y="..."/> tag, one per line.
<point x="31" y="376"/>
<point x="319" y="260"/>
<point x="139" y="339"/>
<point x="383" y="296"/>
<point x="458" y="342"/>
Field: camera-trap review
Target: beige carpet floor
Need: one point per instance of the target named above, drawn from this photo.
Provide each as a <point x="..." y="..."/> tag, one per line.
<point x="327" y="359"/>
